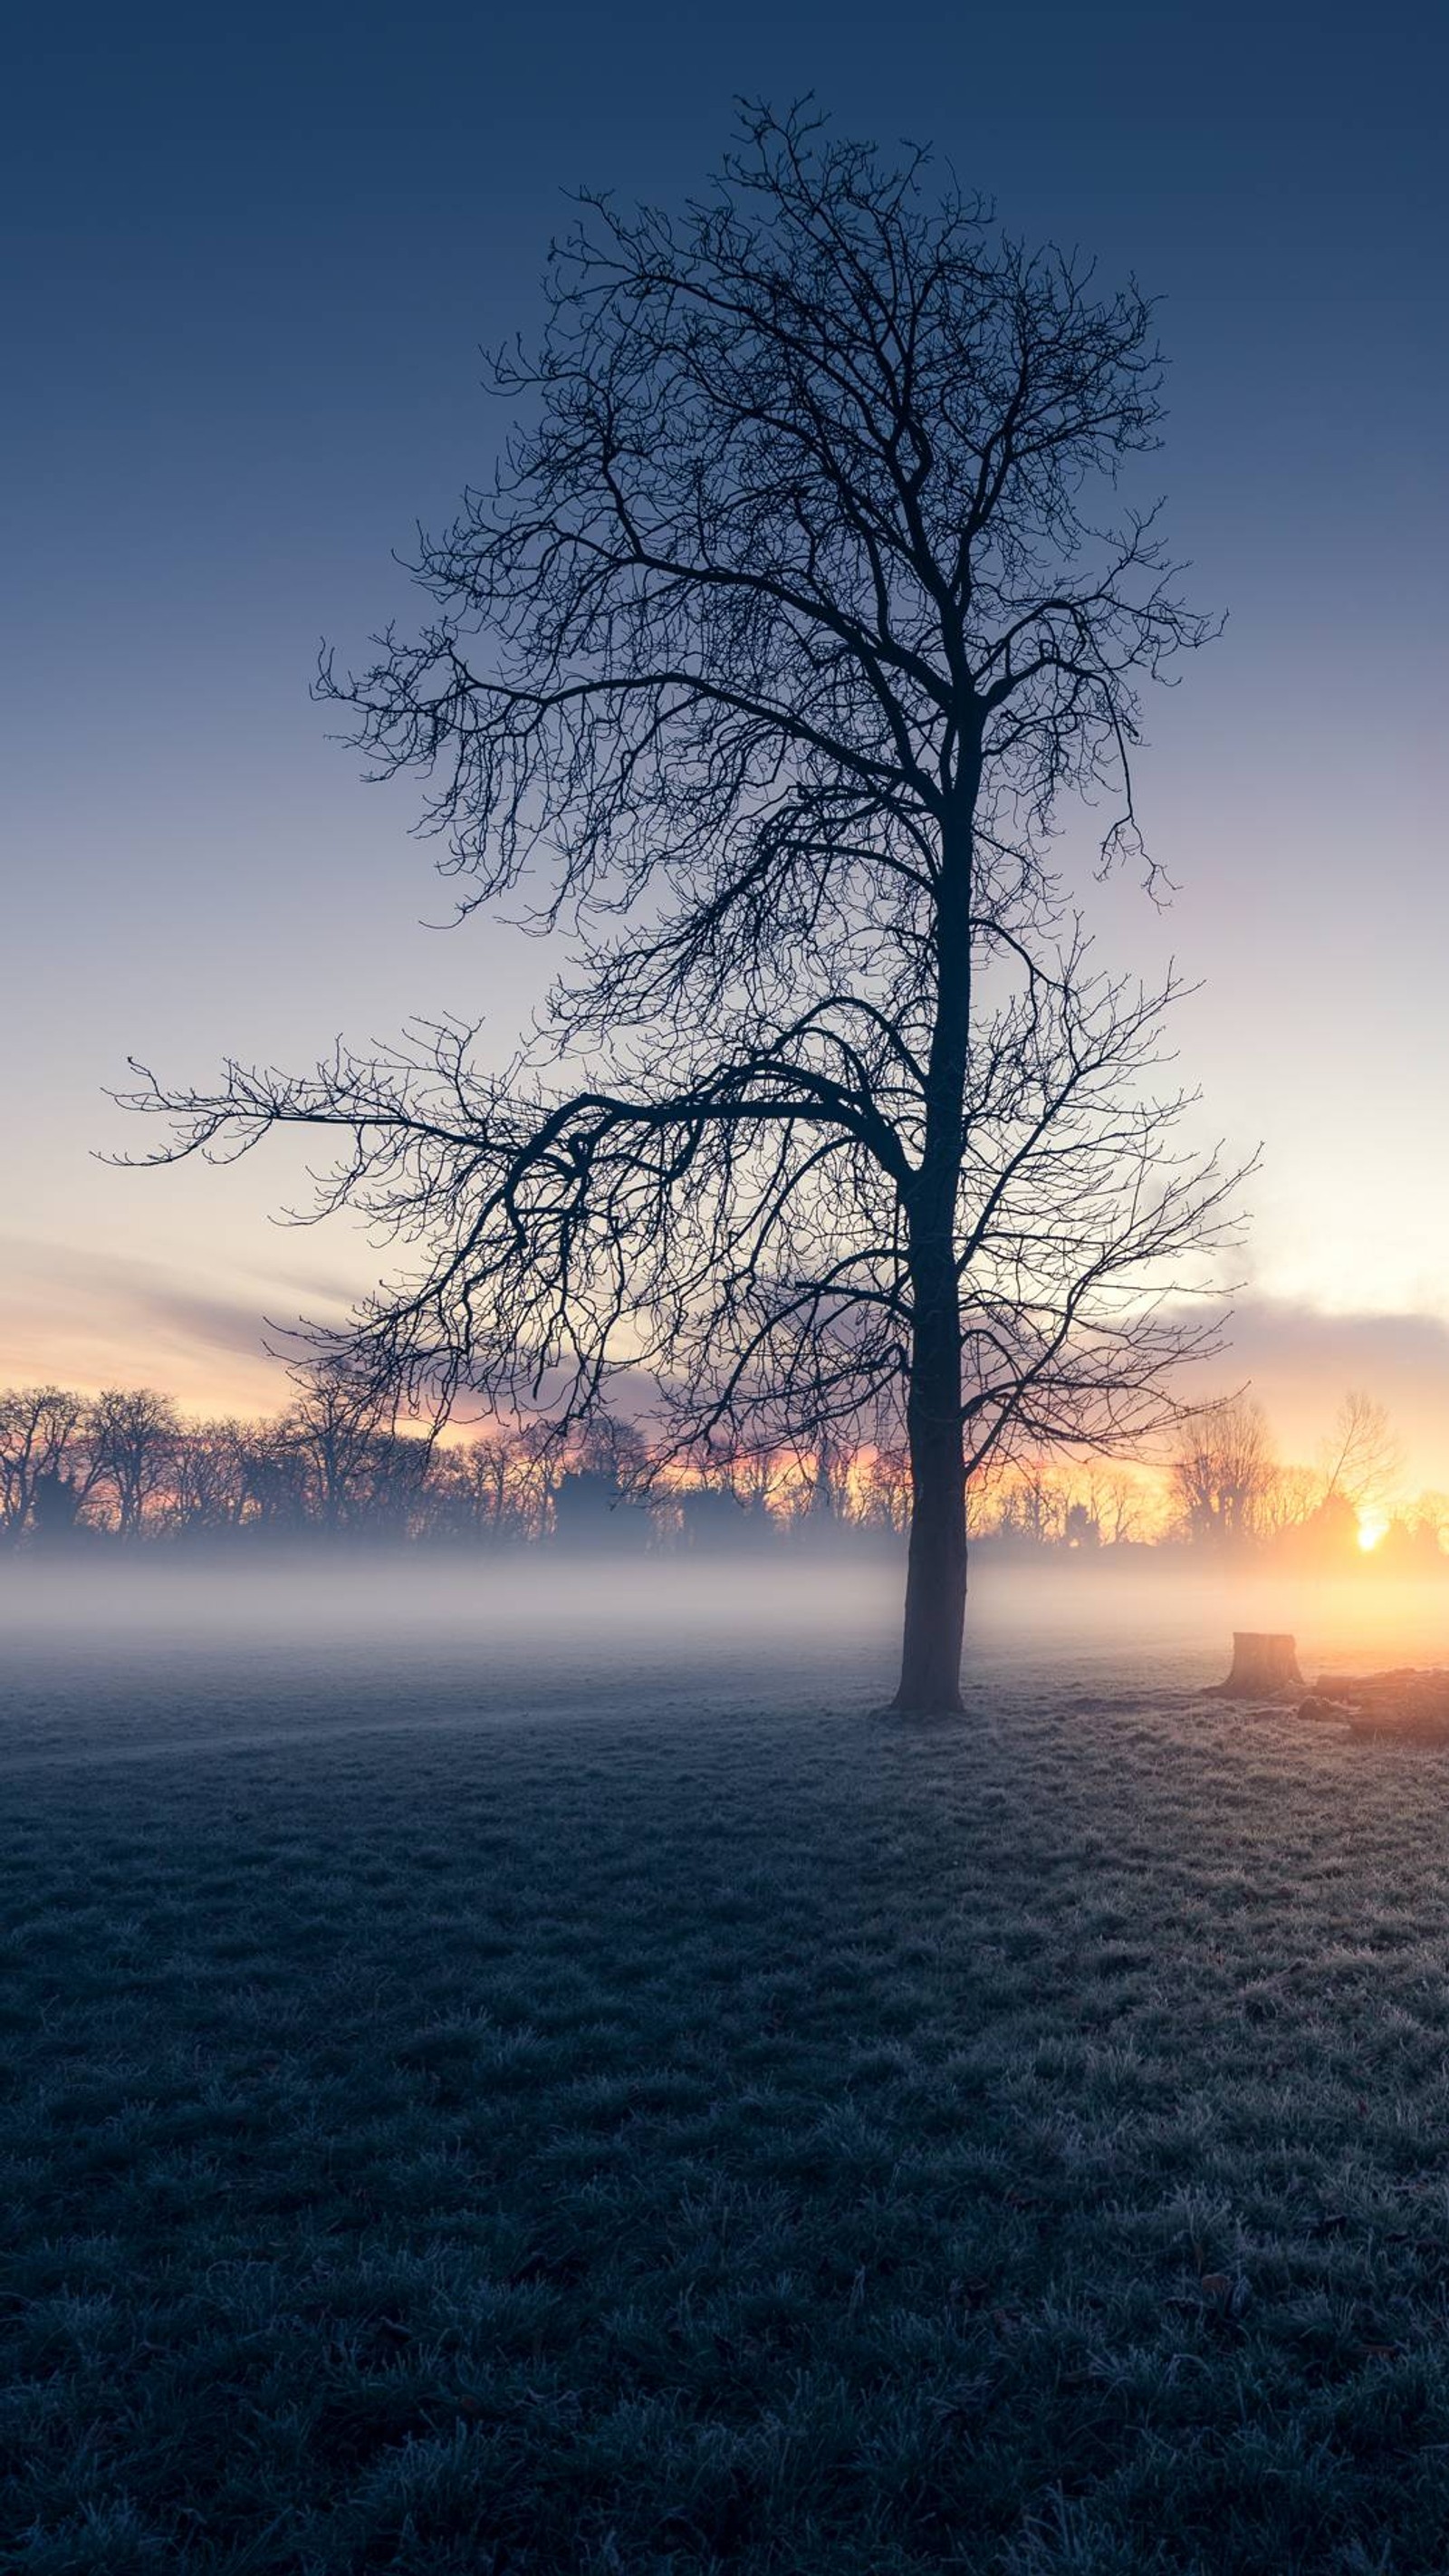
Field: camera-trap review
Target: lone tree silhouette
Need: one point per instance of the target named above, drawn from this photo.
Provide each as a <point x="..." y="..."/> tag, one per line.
<point x="799" y="601"/>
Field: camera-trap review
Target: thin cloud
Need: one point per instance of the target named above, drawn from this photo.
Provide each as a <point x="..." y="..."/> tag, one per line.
<point x="1299" y="1361"/>
<point x="124" y="1319"/>
<point x="91" y="1319"/>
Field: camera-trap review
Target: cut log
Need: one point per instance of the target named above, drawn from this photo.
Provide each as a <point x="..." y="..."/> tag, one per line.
<point x="1405" y="1722"/>
<point x="1364" y="1686"/>
<point x="1265" y="1662"/>
<point x="1405" y="1703"/>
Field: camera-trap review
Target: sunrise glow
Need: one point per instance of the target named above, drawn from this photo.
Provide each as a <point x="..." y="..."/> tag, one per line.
<point x="1371" y="1529"/>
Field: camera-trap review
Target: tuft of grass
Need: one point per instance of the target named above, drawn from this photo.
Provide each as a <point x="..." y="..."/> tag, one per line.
<point x="671" y="2139"/>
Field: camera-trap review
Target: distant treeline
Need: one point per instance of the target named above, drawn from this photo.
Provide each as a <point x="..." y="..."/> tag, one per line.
<point x="126" y="1466"/>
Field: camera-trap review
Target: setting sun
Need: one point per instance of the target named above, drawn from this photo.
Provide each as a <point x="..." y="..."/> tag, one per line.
<point x="1370" y="1531"/>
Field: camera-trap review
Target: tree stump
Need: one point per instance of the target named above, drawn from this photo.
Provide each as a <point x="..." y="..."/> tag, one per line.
<point x="1264" y="1663"/>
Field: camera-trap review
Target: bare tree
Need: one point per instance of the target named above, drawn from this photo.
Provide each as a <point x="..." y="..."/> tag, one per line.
<point x="798" y="603"/>
<point x="1289" y="1501"/>
<point x="1118" y="1504"/>
<point x="1223" y="1472"/>
<point x="885" y="1479"/>
<point x="480" y="1484"/>
<point x="209" y="1474"/>
<point x="329" y="1431"/>
<point x="1362" y="1459"/>
<point x="610" y="1445"/>
<point x="131" y="1435"/>
<point x="1430" y="1511"/>
<point x="40" y="1437"/>
<point x="1033" y="1503"/>
<point x="397" y="1485"/>
<point x="820" y="1479"/>
<point x="748" y="1477"/>
<point x="343" y="1430"/>
<point x="541" y="1463"/>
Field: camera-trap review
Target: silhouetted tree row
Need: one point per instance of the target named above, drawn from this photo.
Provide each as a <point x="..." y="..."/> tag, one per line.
<point x="338" y="1463"/>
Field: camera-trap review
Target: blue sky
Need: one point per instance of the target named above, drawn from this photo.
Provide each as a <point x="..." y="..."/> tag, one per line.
<point x="251" y="258"/>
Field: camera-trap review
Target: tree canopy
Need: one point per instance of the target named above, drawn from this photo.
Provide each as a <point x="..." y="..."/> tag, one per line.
<point x="801" y="597"/>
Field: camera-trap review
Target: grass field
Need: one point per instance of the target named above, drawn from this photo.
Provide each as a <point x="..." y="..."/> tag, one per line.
<point x="675" y="2131"/>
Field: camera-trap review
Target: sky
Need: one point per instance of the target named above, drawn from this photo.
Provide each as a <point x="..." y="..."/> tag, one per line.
<point x="252" y="257"/>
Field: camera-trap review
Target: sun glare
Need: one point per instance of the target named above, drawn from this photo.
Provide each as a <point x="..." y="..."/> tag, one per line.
<point x="1369" y="1534"/>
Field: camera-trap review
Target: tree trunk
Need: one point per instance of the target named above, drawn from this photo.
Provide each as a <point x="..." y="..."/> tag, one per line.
<point x="935" y="1617"/>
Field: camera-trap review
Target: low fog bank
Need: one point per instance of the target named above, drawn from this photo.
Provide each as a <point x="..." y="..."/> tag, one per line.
<point x="138" y="1662"/>
<point x="529" y="1617"/>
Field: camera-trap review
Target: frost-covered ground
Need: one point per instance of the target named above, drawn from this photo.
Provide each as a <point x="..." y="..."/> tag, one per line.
<point x="515" y="2076"/>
